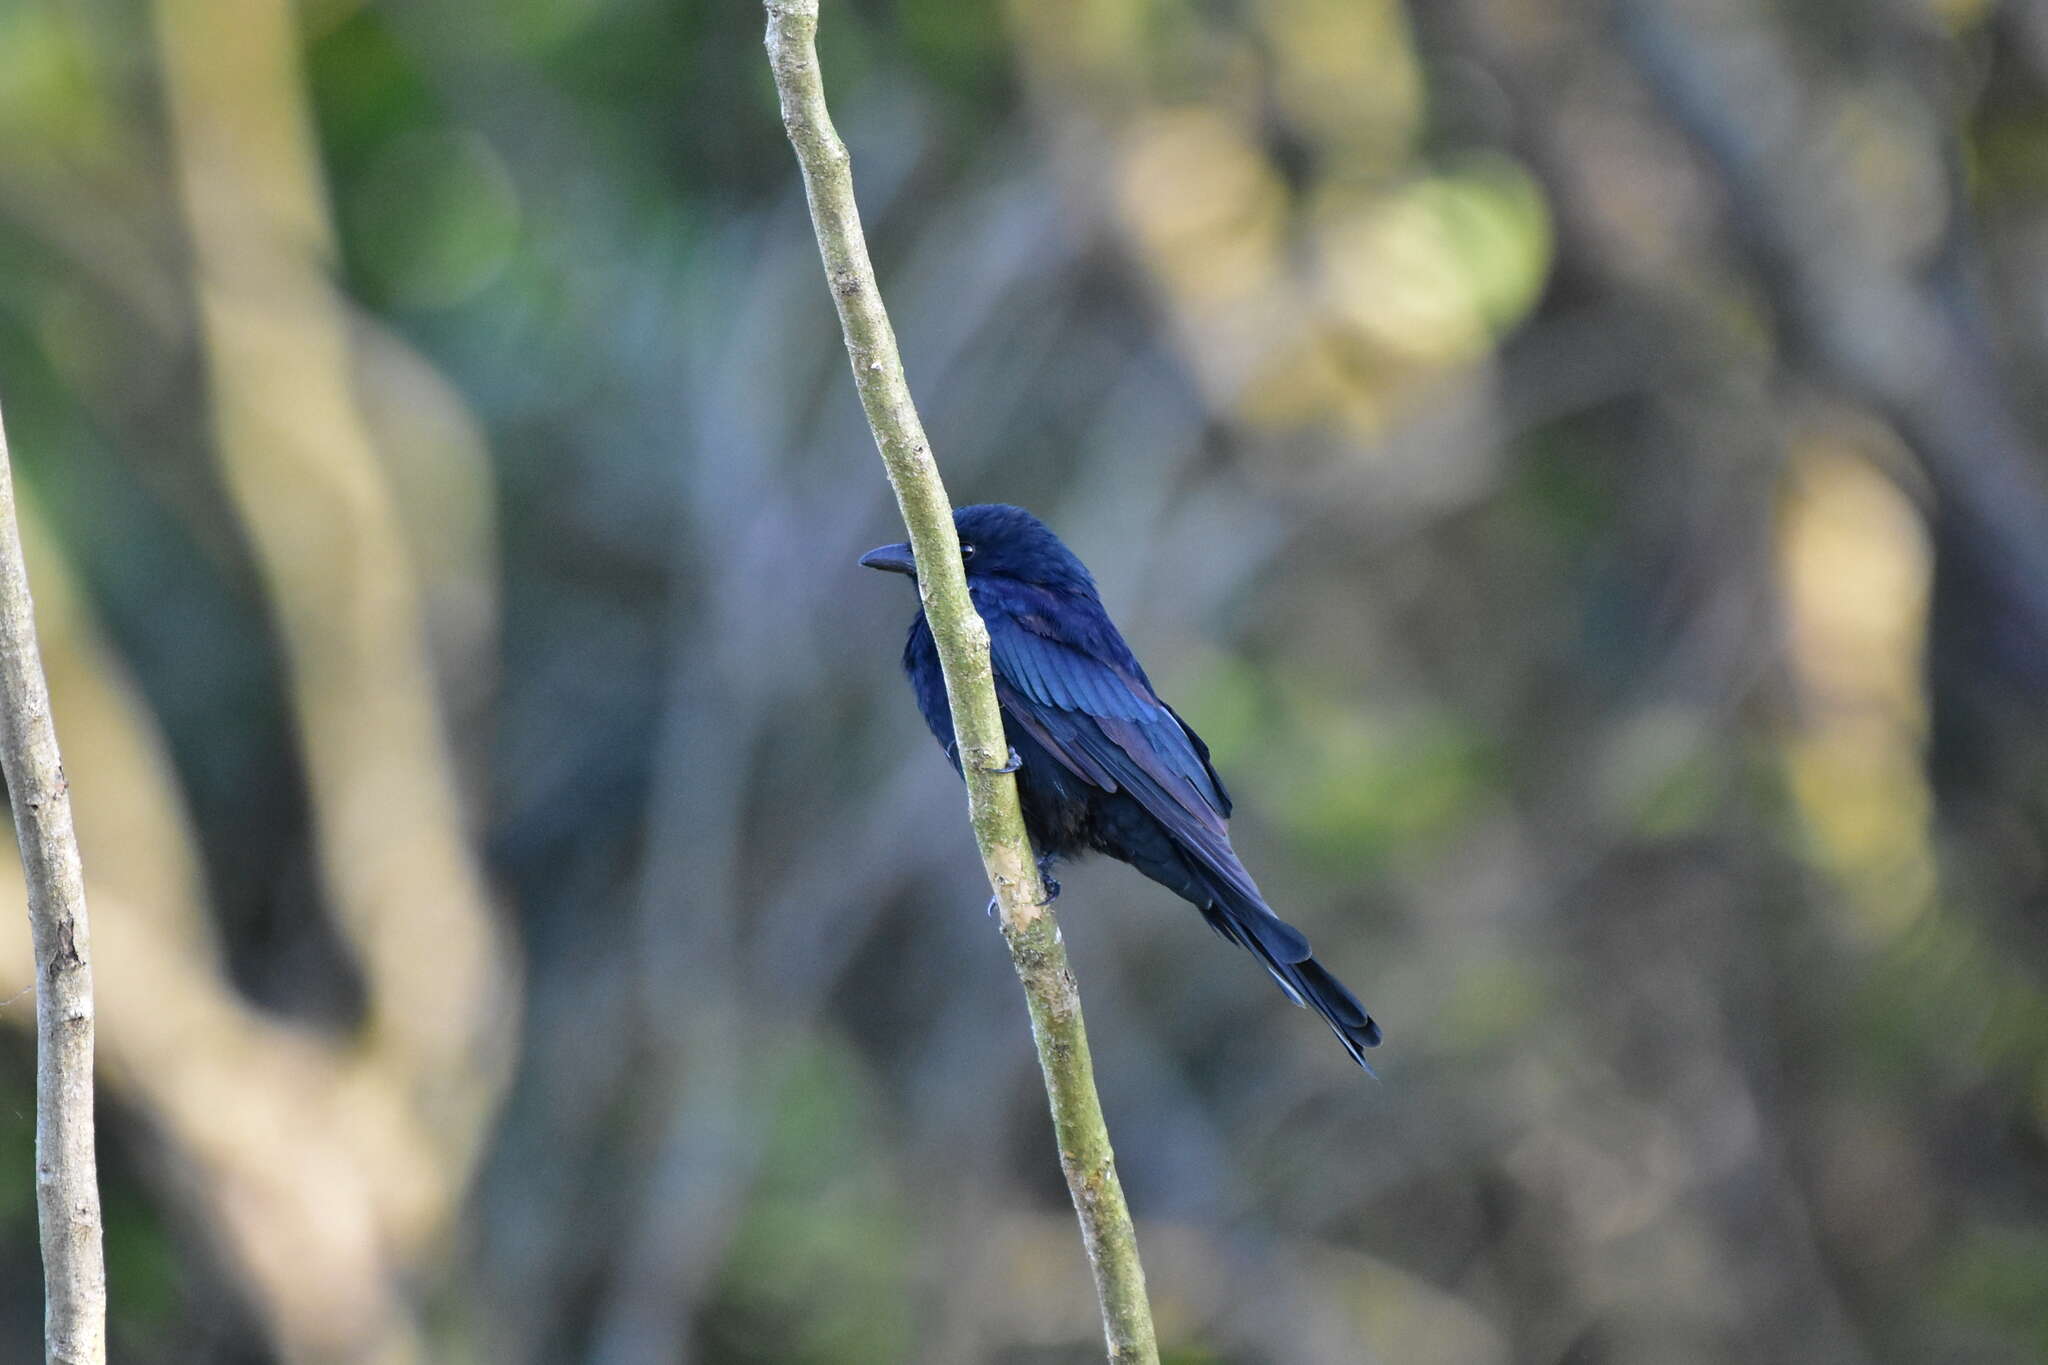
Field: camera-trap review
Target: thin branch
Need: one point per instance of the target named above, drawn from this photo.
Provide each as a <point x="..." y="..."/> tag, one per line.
<point x="67" y="1174"/>
<point x="1028" y="924"/>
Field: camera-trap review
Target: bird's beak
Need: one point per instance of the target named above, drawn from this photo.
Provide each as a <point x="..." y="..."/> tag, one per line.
<point x="891" y="559"/>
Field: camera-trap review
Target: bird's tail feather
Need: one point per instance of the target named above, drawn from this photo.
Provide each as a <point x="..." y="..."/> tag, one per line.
<point x="1248" y="923"/>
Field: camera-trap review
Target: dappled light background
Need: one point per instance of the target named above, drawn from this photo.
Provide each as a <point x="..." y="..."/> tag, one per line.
<point x="1580" y="466"/>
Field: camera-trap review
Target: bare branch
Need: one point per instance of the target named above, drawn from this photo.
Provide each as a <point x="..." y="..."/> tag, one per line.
<point x="67" y="1170"/>
<point x="1028" y="924"/>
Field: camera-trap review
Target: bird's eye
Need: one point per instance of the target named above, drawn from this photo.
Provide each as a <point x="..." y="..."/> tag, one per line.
<point x="966" y="553"/>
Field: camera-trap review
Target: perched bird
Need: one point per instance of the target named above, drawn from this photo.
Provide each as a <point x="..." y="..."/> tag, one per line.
<point x="1102" y="763"/>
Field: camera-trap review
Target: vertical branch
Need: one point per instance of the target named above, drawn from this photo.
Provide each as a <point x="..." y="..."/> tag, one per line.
<point x="1028" y="924"/>
<point x="67" y="1174"/>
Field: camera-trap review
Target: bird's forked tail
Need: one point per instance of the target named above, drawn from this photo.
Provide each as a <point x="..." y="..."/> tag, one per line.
<point x="1247" y="922"/>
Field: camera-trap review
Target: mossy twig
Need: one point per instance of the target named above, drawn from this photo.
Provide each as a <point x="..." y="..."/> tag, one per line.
<point x="1028" y="923"/>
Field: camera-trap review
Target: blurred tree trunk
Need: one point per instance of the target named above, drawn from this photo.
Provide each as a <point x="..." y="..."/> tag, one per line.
<point x="328" y="1167"/>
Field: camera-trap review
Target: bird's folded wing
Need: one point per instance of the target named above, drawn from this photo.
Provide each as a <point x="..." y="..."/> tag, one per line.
<point x="1103" y="721"/>
<point x="1100" y="717"/>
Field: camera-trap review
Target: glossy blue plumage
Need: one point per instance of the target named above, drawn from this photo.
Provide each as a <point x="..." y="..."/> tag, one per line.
<point x="1105" y="764"/>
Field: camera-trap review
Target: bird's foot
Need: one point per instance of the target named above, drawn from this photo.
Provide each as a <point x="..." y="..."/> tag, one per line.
<point x="1052" y="893"/>
<point x="1052" y="888"/>
<point x="1011" y="764"/>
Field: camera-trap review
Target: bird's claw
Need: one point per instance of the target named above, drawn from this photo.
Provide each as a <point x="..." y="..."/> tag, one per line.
<point x="1011" y="764"/>
<point x="1052" y="893"/>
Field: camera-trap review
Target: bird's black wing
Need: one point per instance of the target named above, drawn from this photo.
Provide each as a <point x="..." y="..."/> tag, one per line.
<point x="1067" y="678"/>
<point x="1074" y="687"/>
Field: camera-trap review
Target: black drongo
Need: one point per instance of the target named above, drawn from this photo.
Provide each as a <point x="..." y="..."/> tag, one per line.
<point x="1103" y="763"/>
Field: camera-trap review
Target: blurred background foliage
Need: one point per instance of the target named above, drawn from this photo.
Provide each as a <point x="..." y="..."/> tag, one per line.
<point x="1579" y="465"/>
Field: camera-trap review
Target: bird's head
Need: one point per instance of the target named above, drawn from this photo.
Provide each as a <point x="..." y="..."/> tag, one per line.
<point x="999" y="541"/>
